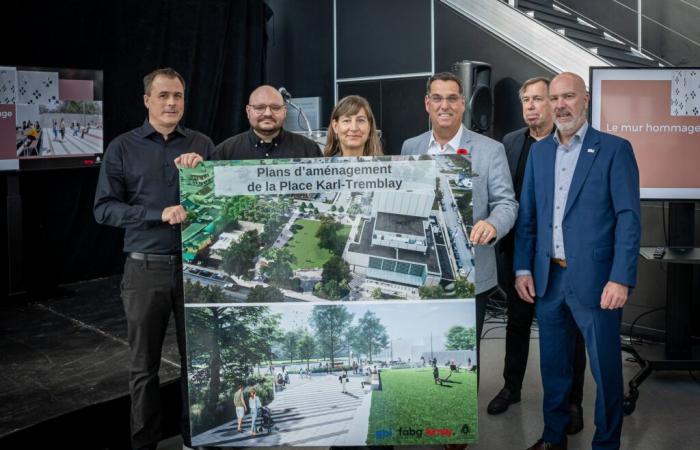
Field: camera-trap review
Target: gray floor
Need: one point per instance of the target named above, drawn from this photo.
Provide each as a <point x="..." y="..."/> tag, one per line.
<point x="667" y="416"/>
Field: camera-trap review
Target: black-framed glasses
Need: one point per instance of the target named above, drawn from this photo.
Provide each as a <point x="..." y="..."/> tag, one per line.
<point x="260" y="109"/>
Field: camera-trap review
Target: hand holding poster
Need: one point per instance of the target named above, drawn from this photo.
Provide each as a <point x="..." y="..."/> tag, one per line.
<point x="340" y="291"/>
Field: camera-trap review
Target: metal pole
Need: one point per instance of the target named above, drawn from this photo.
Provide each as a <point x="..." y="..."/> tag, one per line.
<point x="639" y="25"/>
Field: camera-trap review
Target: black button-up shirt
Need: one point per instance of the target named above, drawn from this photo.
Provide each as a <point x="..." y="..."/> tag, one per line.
<point x="138" y="180"/>
<point x="248" y="145"/>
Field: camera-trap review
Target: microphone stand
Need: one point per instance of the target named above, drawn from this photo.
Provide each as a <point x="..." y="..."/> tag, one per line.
<point x="301" y="111"/>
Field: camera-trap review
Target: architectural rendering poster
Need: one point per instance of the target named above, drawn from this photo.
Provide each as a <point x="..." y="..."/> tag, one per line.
<point x="330" y="302"/>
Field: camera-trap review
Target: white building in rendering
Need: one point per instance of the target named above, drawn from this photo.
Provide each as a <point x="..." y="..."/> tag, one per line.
<point x="396" y="243"/>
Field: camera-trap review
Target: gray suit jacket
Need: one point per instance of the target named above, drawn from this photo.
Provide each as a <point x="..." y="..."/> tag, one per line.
<point x="492" y="194"/>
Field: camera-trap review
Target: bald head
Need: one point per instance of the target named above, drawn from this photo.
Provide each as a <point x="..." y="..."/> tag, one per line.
<point x="266" y="112"/>
<point x="569" y="100"/>
<point x="575" y="80"/>
<point x="264" y="93"/>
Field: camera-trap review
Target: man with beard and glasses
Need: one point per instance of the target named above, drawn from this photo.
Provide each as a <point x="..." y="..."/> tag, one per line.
<point x="266" y="137"/>
<point x="537" y="114"/>
<point x="577" y="240"/>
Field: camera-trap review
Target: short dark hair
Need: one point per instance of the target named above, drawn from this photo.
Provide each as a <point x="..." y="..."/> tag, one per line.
<point x="166" y="72"/>
<point x="532" y="81"/>
<point x="444" y="76"/>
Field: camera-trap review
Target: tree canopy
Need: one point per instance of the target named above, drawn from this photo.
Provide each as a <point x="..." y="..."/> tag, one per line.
<point x="369" y="335"/>
<point x="461" y="338"/>
<point x="239" y="257"/>
<point x="330" y="323"/>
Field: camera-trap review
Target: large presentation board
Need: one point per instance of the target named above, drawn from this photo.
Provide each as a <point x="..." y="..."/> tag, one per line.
<point x="340" y="290"/>
<point x="658" y="111"/>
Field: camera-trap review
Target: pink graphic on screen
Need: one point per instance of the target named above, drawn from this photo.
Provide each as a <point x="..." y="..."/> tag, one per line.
<point x="8" y="135"/>
<point x="79" y="90"/>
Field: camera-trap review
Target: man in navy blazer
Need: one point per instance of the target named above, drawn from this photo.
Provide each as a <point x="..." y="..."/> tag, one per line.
<point x="537" y="114"/>
<point x="577" y="235"/>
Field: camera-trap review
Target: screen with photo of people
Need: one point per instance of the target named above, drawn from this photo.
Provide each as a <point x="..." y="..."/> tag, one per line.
<point x="50" y="117"/>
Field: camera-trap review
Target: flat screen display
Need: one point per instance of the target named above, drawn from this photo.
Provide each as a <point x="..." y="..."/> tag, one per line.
<point x="658" y="111"/>
<point x="50" y="117"/>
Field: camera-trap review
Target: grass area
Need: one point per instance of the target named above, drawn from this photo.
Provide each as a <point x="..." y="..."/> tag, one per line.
<point x="304" y="245"/>
<point x="410" y="399"/>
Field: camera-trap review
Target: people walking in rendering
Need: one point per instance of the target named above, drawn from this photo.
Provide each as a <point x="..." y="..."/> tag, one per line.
<point x="239" y="403"/>
<point x="255" y="405"/>
<point x="344" y="381"/>
<point x="436" y="375"/>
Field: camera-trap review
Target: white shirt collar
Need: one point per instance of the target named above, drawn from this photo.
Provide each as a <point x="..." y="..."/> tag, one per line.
<point x="449" y="148"/>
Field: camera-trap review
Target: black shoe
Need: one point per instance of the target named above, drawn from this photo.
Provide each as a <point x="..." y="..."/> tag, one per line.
<point x="542" y="445"/>
<point x="504" y="399"/>
<point x="575" y="419"/>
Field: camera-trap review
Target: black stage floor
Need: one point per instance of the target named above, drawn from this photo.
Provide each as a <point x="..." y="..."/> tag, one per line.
<point x="64" y="370"/>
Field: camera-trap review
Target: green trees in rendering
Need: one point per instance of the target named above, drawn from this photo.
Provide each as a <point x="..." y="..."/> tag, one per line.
<point x="464" y="288"/>
<point x="329" y="237"/>
<point x="307" y="347"/>
<point x="265" y="294"/>
<point x="224" y="345"/>
<point x="239" y="258"/>
<point x="330" y="324"/>
<point x="431" y="291"/>
<point x="279" y="270"/>
<point x="369" y="336"/>
<point x="461" y="338"/>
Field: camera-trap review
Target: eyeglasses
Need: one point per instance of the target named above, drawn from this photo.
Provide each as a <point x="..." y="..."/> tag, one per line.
<point x="451" y="99"/>
<point x="261" y="108"/>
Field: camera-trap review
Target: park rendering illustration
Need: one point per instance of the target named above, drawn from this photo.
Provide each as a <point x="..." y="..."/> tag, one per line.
<point x="409" y="371"/>
<point x="330" y="301"/>
<point x="358" y="244"/>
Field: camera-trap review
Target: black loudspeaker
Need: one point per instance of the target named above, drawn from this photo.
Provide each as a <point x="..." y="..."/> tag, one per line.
<point x="476" y="80"/>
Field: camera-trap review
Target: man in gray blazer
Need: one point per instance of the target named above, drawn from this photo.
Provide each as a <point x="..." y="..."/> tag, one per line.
<point x="495" y="207"/>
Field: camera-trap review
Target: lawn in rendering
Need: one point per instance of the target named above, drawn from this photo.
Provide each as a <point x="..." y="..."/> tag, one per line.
<point x="411" y="403"/>
<point x="304" y="245"/>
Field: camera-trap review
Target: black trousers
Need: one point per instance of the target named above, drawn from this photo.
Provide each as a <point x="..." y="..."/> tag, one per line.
<point x="150" y="291"/>
<point x="520" y="316"/>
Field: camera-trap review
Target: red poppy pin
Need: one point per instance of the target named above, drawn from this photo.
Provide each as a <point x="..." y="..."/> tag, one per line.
<point x="462" y="151"/>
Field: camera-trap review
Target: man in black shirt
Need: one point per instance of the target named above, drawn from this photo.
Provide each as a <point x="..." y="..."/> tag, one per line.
<point x="138" y="190"/>
<point x="537" y="113"/>
<point x="266" y="138"/>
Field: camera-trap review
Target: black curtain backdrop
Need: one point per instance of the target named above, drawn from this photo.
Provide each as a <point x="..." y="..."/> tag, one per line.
<point x="218" y="46"/>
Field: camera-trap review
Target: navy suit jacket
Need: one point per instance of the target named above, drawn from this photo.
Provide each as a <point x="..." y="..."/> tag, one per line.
<point x="601" y="224"/>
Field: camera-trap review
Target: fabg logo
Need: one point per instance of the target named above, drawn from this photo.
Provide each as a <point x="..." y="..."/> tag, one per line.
<point x="6" y="114"/>
<point x="383" y="433"/>
<point x="410" y="432"/>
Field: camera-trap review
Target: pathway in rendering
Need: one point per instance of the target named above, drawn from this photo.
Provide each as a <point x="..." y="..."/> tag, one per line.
<point x="309" y="412"/>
